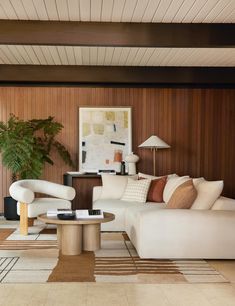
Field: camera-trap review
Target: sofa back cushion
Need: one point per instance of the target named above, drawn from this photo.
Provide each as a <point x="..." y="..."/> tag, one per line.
<point x="136" y="190"/>
<point x="207" y="193"/>
<point x="152" y="177"/>
<point x="113" y="186"/>
<point x="171" y="185"/>
<point x="183" y="196"/>
<point x="223" y="203"/>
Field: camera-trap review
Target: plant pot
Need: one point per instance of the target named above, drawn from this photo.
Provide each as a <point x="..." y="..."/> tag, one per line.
<point x="10" y="209"/>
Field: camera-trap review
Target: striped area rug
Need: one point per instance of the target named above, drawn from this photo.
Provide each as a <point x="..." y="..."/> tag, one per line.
<point x="24" y="244"/>
<point x="129" y="267"/>
<point x="37" y="260"/>
<point x="27" y="244"/>
<point x="135" y="265"/>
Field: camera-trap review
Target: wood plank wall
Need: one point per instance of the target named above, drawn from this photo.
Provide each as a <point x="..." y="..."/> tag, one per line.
<point x="199" y="124"/>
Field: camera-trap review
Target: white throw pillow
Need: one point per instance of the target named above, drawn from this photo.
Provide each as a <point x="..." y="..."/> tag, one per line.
<point x="113" y="186"/>
<point x="171" y="185"/>
<point x="136" y="191"/>
<point x="207" y="193"/>
<point x="197" y="181"/>
<point x="148" y="176"/>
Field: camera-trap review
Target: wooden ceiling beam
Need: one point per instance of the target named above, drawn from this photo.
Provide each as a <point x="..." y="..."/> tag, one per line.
<point x="180" y="35"/>
<point x="116" y="75"/>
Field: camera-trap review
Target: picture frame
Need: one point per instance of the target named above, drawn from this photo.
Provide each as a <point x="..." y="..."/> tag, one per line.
<point x="105" y="137"/>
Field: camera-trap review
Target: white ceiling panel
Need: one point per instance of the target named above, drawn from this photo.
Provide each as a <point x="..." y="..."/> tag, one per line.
<point x="96" y="7"/>
<point x="85" y="10"/>
<point x="66" y="55"/>
<point x="62" y="54"/>
<point x="50" y="10"/>
<point x="161" y="10"/>
<point x="107" y="8"/>
<point x="93" y="56"/>
<point x="207" y="11"/>
<point x="78" y="55"/>
<point x="40" y="9"/>
<point x="39" y="54"/>
<point x="138" y="12"/>
<point x="63" y="10"/>
<point x="189" y="10"/>
<point x="128" y="9"/>
<point x="74" y="10"/>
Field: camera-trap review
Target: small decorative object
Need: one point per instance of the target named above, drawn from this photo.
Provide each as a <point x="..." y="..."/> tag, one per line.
<point x="123" y="168"/>
<point x="132" y="159"/>
<point x="154" y="143"/>
<point x="117" y="156"/>
<point x="67" y="216"/>
<point x="104" y="137"/>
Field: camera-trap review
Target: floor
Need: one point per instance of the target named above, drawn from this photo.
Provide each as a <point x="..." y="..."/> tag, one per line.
<point x="61" y="294"/>
<point x="96" y="294"/>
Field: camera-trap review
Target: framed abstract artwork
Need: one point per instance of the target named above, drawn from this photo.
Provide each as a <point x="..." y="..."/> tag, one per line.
<point x="105" y="137"/>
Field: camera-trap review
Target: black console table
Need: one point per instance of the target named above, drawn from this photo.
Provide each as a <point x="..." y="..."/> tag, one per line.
<point x="83" y="184"/>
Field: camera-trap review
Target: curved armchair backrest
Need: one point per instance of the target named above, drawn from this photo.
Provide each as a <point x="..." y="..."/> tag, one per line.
<point x="23" y="191"/>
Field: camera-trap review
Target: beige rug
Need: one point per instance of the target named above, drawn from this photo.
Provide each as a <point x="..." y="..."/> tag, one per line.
<point x="36" y="259"/>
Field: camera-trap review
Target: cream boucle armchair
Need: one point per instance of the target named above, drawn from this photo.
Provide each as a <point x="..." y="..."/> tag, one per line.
<point x="29" y="207"/>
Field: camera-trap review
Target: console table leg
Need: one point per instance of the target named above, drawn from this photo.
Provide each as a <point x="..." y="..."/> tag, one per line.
<point x="91" y="237"/>
<point x="71" y="239"/>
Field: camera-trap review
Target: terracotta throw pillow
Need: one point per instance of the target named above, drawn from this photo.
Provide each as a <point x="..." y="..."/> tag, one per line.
<point x="155" y="193"/>
<point x="184" y="196"/>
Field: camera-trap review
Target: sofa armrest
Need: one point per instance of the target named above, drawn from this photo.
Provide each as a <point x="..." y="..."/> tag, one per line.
<point x="97" y="190"/>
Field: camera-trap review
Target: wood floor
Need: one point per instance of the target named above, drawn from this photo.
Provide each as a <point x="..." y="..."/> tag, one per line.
<point x="88" y="294"/>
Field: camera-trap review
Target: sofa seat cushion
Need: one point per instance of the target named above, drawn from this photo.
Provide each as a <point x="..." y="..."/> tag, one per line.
<point x="116" y="207"/>
<point x="133" y="216"/>
<point x="41" y="205"/>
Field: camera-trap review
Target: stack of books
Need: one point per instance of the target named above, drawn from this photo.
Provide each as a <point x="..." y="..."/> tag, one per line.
<point x="55" y="212"/>
<point x="89" y="214"/>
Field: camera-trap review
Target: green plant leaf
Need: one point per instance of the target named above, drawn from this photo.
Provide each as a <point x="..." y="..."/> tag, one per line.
<point x="26" y="145"/>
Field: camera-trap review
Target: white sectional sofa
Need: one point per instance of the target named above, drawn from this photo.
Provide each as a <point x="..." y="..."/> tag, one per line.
<point x="157" y="232"/>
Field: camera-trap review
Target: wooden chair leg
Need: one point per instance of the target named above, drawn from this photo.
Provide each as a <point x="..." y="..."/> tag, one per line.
<point x="30" y="221"/>
<point x="23" y="219"/>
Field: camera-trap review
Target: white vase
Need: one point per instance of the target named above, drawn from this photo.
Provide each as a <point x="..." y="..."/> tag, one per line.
<point x="131" y="160"/>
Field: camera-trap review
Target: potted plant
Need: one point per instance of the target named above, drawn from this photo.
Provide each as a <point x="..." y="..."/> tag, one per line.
<point x="26" y="146"/>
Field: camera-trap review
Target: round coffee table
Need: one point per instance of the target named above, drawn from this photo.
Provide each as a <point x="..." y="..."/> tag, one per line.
<point x="75" y="236"/>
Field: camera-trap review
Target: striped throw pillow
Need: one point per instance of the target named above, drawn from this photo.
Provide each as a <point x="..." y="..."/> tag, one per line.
<point x="136" y="191"/>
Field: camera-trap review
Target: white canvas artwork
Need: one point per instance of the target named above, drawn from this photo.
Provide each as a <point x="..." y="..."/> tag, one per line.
<point x="104" y="137"/>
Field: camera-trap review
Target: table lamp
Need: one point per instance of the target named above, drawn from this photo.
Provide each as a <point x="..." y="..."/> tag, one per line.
<point x="154" y="143"/>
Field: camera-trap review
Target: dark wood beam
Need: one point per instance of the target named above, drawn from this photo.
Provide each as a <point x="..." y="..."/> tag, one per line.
<point x="116" y="75"/>
<point x="117" y="34"/>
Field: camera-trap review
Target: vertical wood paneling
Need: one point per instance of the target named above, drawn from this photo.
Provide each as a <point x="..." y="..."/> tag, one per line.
<point x="199" y="124"/>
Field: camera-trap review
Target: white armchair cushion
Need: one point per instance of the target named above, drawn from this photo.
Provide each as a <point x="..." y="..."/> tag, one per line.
<point x="21" y="193"/>
<point x="207" y="193"/>
<point x="42" y="205"/>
